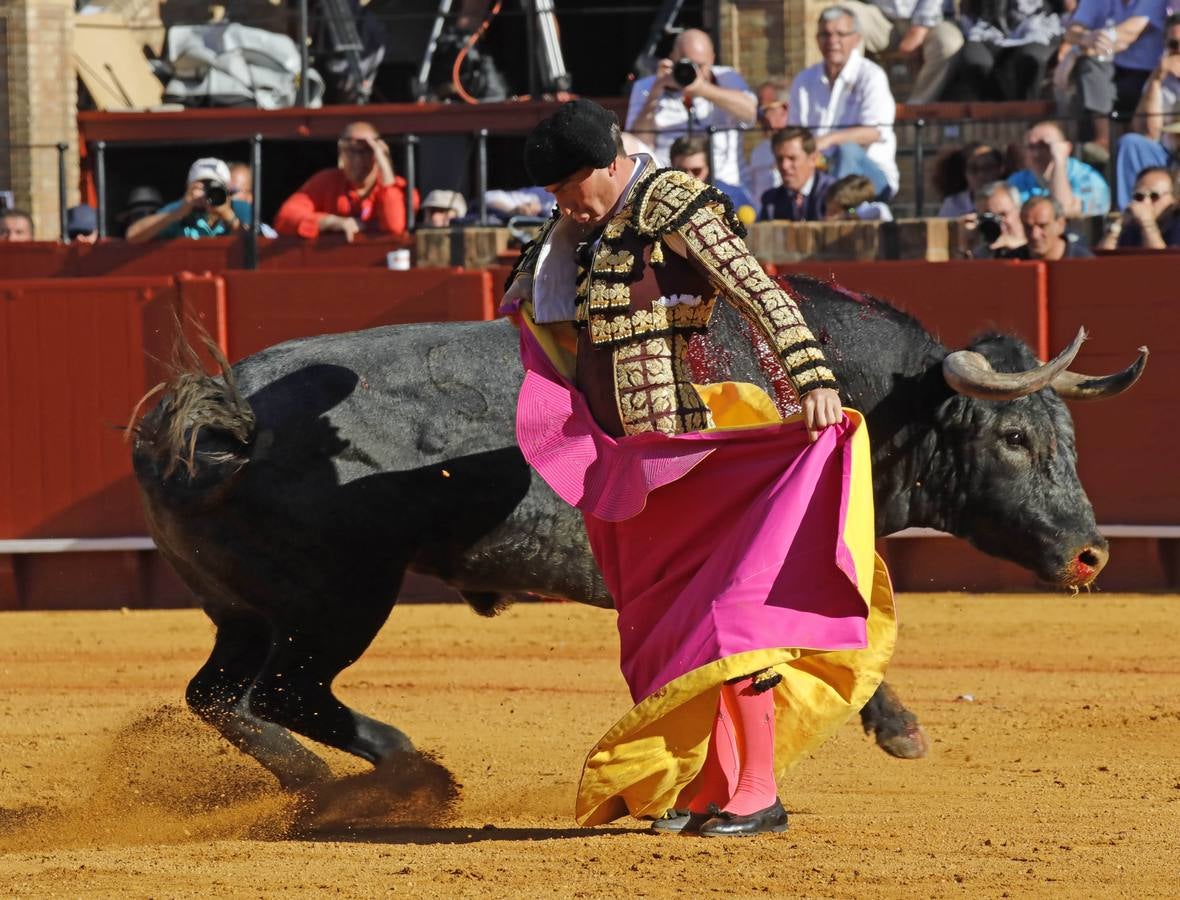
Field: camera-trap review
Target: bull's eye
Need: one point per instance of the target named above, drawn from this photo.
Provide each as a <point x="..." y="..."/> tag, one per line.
<point x="1014" y="437"/>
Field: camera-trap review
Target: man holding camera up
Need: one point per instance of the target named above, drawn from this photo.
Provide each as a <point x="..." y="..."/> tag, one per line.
<point x="688" y="94"/>
<point x="205" y="210"/>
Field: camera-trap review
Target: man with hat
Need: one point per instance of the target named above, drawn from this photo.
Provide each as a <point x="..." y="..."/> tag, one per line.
<point x="82" y="224"/>
<point x="441" y="208"/>
<point x="205" y="210"/>
<point x="700" y="501"/>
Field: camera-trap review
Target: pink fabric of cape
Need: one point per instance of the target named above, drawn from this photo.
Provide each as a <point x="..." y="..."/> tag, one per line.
<point x="711" y="543"/>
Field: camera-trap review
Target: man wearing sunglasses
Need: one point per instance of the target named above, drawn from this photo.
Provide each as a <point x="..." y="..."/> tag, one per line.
<point x="761" y="173"/>
<point x="1152" y="218"/>
<point x="362" y="194"/>
<point x="1154" y="141"/>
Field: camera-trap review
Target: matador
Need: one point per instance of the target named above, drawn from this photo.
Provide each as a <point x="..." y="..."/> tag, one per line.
<point x="754" y="616"/>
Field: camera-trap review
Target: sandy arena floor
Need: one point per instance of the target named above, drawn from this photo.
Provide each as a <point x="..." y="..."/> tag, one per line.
<point x="1055" y="770"/>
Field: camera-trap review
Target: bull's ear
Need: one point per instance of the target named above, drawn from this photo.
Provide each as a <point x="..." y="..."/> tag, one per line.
<point x="969" y="373"/>
<point x="1073" y="386"/>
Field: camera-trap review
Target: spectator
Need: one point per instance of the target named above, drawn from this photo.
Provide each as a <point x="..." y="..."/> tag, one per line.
<point x="915" y="29"/>
<point x="142" y="201"/>
<point x="241" y="187"/>
<point x="441" y="208"/>
<point x="1152" y="218"/>
<point x="1120" y="43"/>
<point x="1009" y="45"/>
<point x="82" y="224"/>
<point x="853" y="197"/>
<point x="963" y="171"/>
<point x="800" y="197"/>
<point x="662" y="109"/>
<point x="761" y="173"/>
<point x="994" y="230"/>
<point x="846" y="102"/>
<point x="690" y="154"/>
<point x="531" y="201"/>
<point x="15" y="225"/>
<point x="361" y="194"/>
<point x="1159" y="107"/>
<point x="1051" y="171"/>
<point x="205" y="210"/>
<point x="1044" y="226"/>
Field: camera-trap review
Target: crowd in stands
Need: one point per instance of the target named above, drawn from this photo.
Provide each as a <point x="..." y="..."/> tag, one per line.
<point x="828" y="148"/>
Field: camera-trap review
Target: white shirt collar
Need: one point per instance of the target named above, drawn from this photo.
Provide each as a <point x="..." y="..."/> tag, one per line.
<point x="851" y="67"/>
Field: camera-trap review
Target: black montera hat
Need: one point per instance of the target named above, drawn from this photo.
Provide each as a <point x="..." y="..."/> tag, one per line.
<point x="576" y="136"/>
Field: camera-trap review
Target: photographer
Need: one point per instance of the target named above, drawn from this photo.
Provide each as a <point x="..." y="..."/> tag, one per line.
<point x="994" y="230"/>
<point x="688" y="94"/>
<point x="206" y="209"/>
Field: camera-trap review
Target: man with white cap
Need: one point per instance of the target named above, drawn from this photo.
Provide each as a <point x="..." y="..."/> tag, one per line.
<point x="441" y="208"/>
<point x="205" y="210"/>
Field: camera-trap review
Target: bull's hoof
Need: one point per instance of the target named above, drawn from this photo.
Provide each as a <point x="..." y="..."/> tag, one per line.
<point x="909" y="743"/>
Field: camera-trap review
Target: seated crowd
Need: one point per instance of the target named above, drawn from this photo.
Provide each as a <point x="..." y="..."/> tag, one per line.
<point x="828" y="149"/>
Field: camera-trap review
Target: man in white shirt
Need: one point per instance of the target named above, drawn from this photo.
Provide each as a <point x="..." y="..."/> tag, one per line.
<point x="761" y="173"/>
<point x="916" y="29"/>
<point x="662" y="109"/>
<point x="846" y="102"/>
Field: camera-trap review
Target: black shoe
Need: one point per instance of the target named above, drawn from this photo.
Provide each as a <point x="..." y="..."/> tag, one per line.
<point x="727" y="824"/>
<point x="679" y="821"/>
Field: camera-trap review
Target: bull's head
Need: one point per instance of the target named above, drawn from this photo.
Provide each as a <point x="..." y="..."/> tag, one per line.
<point x="1019" y="496"/>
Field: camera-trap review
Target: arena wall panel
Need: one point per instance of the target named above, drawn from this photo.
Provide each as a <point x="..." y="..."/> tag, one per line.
<point x="267" y="307"/>
<point x="1127" y="445"/>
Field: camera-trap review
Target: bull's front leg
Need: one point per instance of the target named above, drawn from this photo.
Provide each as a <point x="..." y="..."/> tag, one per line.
<point x="896" y="728"/>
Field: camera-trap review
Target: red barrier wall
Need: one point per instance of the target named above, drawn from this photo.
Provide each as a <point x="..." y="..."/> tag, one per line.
<point x="267" y="307"/>
<point x="1127" y="446"/>
<point x="42" y="259"/>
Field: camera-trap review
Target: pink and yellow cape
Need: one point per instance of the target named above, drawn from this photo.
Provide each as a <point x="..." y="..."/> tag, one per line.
<point x="728" y="551"/>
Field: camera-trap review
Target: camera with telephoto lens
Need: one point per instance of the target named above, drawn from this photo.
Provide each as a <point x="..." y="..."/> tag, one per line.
<point x="215" y="193"/>
<point x="990" y="227"/>
<point x="684" y="72"/>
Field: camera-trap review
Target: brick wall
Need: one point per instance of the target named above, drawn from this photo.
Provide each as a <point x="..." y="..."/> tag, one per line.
<point x="769" y="38"/>
<point x="40" y="107"/>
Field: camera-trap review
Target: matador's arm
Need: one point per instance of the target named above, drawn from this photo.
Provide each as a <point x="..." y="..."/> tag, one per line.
<point x="712" y="240"/>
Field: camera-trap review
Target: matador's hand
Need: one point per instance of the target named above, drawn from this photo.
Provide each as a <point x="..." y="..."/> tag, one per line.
<point x="821" y="408"/>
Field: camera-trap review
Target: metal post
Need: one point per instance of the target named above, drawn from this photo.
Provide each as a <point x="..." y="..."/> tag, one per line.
<point x="304" y="88"/>
<point x="411" y="170"/>
<point x="530" y="36"/>
<point x="255" y="216"/>
<point x="919" y="165"/>
<point x="100" y="185"/>
<point x="62" y="201"/>
<point x="481" y="174"/>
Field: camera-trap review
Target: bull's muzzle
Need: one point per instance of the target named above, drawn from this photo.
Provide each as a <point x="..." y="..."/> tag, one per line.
<point x="1083" y="567"/>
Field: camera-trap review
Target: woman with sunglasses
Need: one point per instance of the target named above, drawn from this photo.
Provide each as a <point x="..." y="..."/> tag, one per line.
<point x="1151" y="220"/>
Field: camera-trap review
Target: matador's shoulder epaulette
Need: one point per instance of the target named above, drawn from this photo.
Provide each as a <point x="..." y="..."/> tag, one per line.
<point x="664" y="200"/>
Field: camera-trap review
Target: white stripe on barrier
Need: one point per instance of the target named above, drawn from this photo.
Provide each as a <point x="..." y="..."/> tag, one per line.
<point x="133" y="543"/>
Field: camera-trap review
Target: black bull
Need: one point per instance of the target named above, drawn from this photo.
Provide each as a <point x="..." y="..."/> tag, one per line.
<point x="292" y="493"/>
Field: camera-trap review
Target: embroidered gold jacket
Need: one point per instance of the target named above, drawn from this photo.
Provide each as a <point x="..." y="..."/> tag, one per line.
<point x="650" y="284"/>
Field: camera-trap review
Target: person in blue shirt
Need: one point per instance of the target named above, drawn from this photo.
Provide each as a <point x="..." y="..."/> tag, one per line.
<point x="1118" y="45"/>
<point x="206" y="209"/>
<point x="1052" y="172"/>
<point x="690" y="153"/>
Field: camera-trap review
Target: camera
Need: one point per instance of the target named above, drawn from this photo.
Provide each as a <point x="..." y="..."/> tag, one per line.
<point x="684" y="72"/>
<point x="215" y="193"/>
<point x="990" y="227"/>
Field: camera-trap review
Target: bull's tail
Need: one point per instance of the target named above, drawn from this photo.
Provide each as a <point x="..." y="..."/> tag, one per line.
<point x="194" y="445"/>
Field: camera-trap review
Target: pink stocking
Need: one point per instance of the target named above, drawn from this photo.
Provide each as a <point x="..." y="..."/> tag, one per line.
<point x="753" y="720"/>
<point x="719" y="774"/>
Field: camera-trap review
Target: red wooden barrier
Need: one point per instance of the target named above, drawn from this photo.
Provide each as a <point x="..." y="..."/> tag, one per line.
<point x="1127" y="446"/>
<point x="267" y="307"/>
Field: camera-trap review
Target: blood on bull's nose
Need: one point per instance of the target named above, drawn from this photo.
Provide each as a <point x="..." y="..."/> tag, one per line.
<point x="1086" y="564"/>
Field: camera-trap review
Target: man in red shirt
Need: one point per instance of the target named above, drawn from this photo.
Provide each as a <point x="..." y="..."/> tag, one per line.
<point x="360" y="194"/>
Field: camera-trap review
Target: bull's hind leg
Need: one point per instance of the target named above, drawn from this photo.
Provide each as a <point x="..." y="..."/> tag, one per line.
<point x="220" y="691"/>
<point x="896" y="728"/>
<point x="295" y="687"/>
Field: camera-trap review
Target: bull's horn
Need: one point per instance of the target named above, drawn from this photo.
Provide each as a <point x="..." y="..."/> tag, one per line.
<point x="1072" y="386"/>
<point x="969" y="373"/>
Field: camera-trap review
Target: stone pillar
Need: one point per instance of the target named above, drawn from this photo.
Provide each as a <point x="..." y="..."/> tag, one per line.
<point x="769" y="38"/>
<point x="38" y="107"/>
